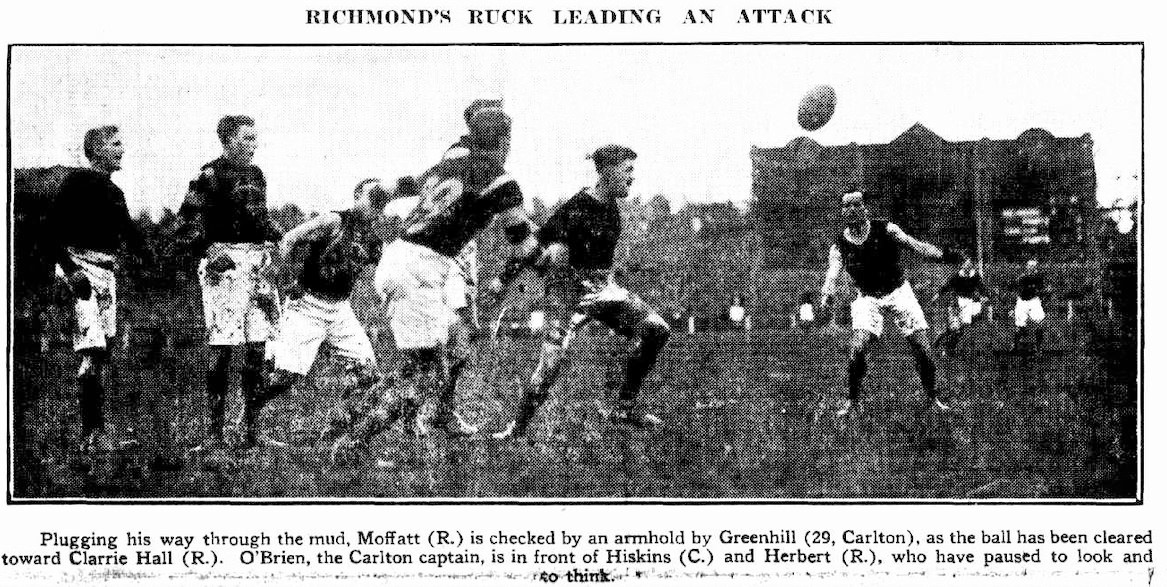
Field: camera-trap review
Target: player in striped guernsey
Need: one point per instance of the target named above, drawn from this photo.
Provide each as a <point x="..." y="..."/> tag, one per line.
<point x="459" y="197"/>
<point x="336" y="247"/>
<point x="870" y="251"/>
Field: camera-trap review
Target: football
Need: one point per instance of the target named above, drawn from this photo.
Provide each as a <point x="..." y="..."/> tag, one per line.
<point x="816" y="107"/>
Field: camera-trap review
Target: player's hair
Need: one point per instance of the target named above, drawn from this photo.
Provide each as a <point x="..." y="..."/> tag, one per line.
<point x="407" y="186"/>
<point x="378" y="197"/>
<point x="95" y="137"/>
<point x="488" y="127"/>
<point x="230" y="124"/>
<point x="609" y="155"/>
<point x="477" y="105"/>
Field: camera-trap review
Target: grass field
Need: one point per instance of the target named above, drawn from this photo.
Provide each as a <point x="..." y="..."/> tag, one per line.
<point x="748" y="415"/>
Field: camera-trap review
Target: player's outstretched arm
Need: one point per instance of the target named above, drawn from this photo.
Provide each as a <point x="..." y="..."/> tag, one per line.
<point x="834" y="267"/>
<point x="925" y="249"/>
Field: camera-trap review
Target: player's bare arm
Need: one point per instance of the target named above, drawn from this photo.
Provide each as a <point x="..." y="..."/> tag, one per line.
<point x="308" y="231"/>
<point x="834" y="267"/>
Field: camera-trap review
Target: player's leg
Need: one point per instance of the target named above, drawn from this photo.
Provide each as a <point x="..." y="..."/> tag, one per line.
<point x="346" y="335"/>
<point x="1020" y="321"/>
<point x="92" y="399"/>
<point x="1037" y="319"/>
<point x="303" y="328"/>
<point x="553" y="359"/>
<point x="629" y="315"/>
<point x="456" y="358"/>
<point x="650" y="335"/>
<point x="909" y="318"/>
<point x="225" y="303"/>
<point x="218" y="368"/>
<point x="925" y="366"/>
<point x="856" y="368"/>
<point x="94" y="332"/>
<point x="866" y="326"/>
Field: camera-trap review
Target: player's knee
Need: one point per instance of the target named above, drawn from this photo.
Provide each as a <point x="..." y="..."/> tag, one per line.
<point x="89" y="369"/>
<point x="654" y="331"/>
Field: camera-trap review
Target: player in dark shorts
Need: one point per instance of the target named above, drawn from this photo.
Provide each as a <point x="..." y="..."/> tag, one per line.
<point x="1028" y="313"/>
<point x="574" y="250"/>
<point x="90" y="224"/>
<point x="226" y="222"/>
<point x="336" y="248"/>
<point x="870" y="251"/>
<point x="969" y="290"/>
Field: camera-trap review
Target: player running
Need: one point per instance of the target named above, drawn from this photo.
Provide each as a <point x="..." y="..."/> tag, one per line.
<point x="575" y="250"/>
<point x="90" y="223"/>
<point x="226" y="221"/>
<point x="870" y="251"/>
<point x="1028" y="313"/>
<point x="459" y="197"/>
<point x="969" y="289"/>
<point x="337" y="249"/>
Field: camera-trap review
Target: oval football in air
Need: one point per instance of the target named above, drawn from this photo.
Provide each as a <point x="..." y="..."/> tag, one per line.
<point x="816" y="107"/>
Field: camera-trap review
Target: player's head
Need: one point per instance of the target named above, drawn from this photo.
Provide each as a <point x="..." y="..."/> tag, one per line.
<point x="237" y="133"/>
<point x="406" y="187"/>
<point x="1031" y="265"/>
<point x="967" y="266"/>
<point x="103" y="148"/>
<point x="369" y="198"/>
<point x="477" y="105"/>
<point x="615" y="166"/>
<point x="490" y="133"/>
<point x="854" y="209"/>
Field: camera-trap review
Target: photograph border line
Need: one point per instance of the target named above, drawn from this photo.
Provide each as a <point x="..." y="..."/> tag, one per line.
<point x="1141" y="335"/>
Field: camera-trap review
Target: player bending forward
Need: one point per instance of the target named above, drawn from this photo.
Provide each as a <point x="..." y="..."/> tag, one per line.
<point x="870" y="251"/>
<point x="338" y="249"/>
<point x="574" y="250"/>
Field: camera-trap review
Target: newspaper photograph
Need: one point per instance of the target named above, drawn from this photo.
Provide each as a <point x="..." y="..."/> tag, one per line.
<point x="528" y="308"/>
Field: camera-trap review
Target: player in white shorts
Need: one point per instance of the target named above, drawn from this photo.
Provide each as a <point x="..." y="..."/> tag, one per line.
<point x="1028" y="313"/>
<point x="336" y="247"/>
<point x="458" y="198"/>
<point x="225" y="219"/>
<point x="90" y="224"/>
<point x="969" y="290"/>
<point x="869" y="250"/>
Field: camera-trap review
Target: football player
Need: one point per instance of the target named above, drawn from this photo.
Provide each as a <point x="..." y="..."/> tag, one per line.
<point x="337" y="247"/>
<point x="575" y="250"/>
<point x="869" y="249"/>
<point x="226" y="222"/>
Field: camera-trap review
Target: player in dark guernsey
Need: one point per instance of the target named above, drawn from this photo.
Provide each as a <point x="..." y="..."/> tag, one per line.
<point x="969" y="290"/>
<point x="325" y="254"/>
<point x="90" y="225"/>
<point x="575" y="250"/>
<point x="1028" y="313"/>
<point x="226" y="222"/>
<point x="459" y="197"/>
<point x="870" y="252"/>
